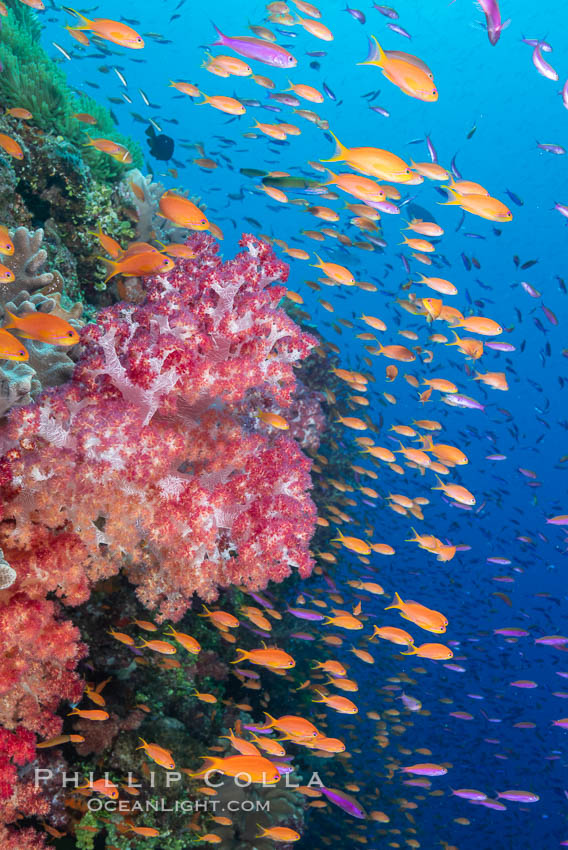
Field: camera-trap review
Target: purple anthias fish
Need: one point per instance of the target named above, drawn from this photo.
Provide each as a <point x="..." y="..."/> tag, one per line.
<point x="542" y="66"/>
<point x="399" y="30"/>
<point x="519" y="796"/>
<point x="457" y="400"/>
<point x="493" y="21"/>
<point x="356" y="13"/>
<point x="534" y="293"/>
<point x="500" y="346"/>
<point x="262" y="600"/>
<point x="431" y="149"/>
<point x="250" y="674"/>
<point x="489" y="804"/>
<point x="552" y="640"/>
<point x="564" y="94"/>
<point x="257" y="48"/>
<point x="469" y="794"/>
<point x="344" y="801"/>
<point x="384" y="206"/>
<point x="329" y="92"/>
<point x="549" y="315"/>
<point x="387" y="11"/>
<point x="286" y="99"/>
<point x="304" y="614"/>
<point x="556" y="149"/>
<point x="562" y="209"/>
<point x="558" y="520"/>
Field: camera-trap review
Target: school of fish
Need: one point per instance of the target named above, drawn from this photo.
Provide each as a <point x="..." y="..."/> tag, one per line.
<point x="415" y="394"/>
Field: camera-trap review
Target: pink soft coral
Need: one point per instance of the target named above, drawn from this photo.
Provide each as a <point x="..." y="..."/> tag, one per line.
<point x="152" y="459"/>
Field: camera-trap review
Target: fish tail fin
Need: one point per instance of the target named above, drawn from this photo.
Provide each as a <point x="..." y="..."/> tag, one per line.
<point x="221" y="39"/>
<point x="411" y="651"/>
<point x="381" y="348"/>
<point x="327" y="621"/>
<point x="111" y="267"/>
<point x="73" y="711"/>
<point x="440" y="484"/>
<point x="87" y="21"/>
<point x="321" y="695"/>
<point x="319" y="263"/>
<point x="205" y="100"/>
<point x="214" y="763"/>
<point x="396" y="602"/>
<point x="376" y="55"/>
<point x="455" y="200"/>
<point x="144" y="744"/>
<point x="271" y="719"/>
<point x="244" y="654"/>
<point x="340" y="150"/>
<point x="456" y="341"/>
<point x="12" y="320"/>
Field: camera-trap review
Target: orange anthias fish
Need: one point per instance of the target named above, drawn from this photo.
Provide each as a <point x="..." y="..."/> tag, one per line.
<point x="410" y="74"/>
<point x="279" y="833"/>
<point x="296" y="727"/>
<point x="483" y="206"/>
<point x="182" y="212"/>
<point x="426" y="618"/>
<point x="187" y="641"/>
<point x="340" y="704"/>
<point x="256" y="768"/>
<point x="158" y="754"/>
<point x="274" y="659"/>
<point x="11" y="348"/>
<point x="112" y="148"/>
<point x="11" y="146"/>
<point x="138" y="265"/>
<point x="90" y="714"/>
<point x="392" y="634"/>
<point x="374" y="162"/>
<point x="85" y="118"/>
<point x="273" y="419"/>
<point x="43" y="327"/>
<point x="433" y="651"/>
<point x="109" y="30"/>
<point x="6" y="244"/>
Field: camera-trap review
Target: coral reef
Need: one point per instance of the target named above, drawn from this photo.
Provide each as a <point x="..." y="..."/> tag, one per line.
<point x="149" y="459"/>
<point x="30" y="79"/>
<point x="48" y="365"/>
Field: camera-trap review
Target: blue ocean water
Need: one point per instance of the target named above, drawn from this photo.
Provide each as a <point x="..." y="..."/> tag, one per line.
<point x="497" y="90"/>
